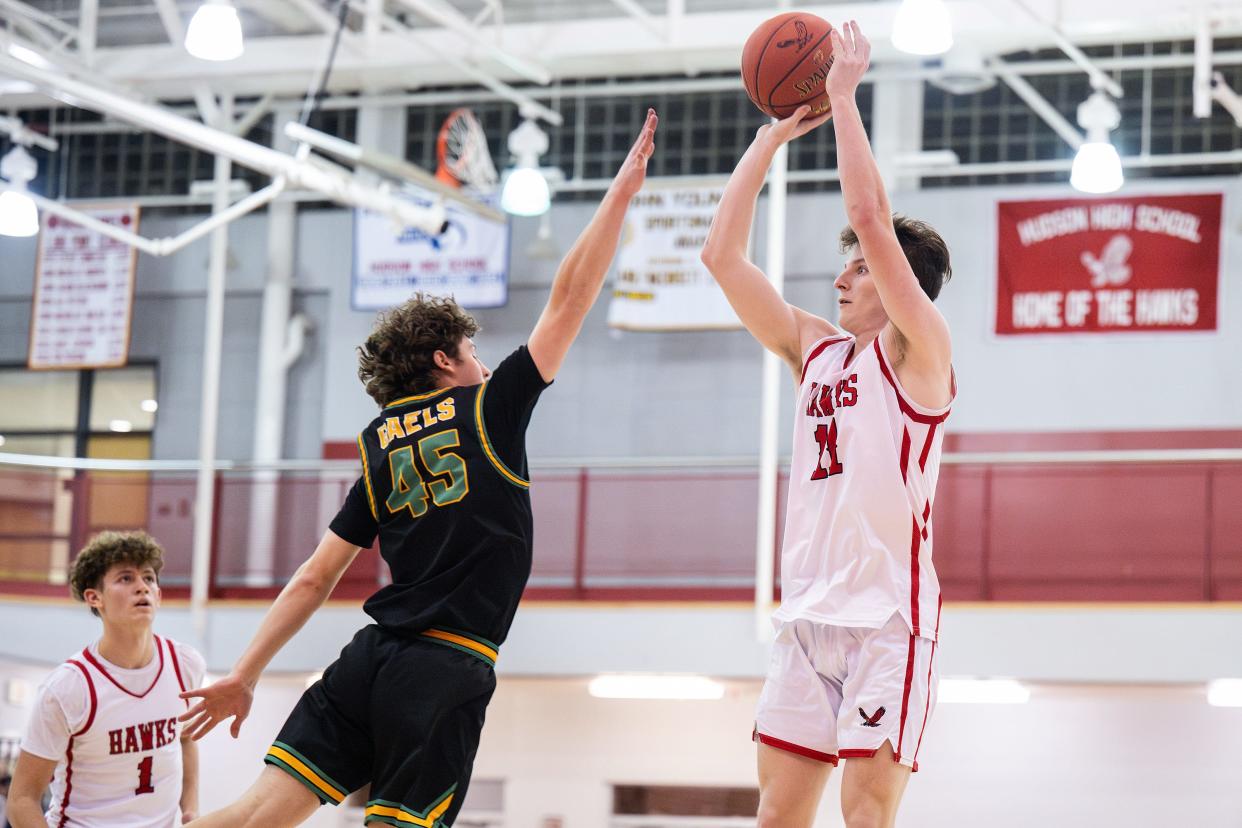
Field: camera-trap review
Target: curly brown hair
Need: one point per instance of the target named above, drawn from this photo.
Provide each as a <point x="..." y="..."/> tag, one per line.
<point x="397" y="359"/>
<point x="106" y="550"/>
<point x="924" y="248"/>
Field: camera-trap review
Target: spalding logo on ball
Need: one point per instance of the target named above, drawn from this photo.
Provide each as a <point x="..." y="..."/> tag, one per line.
<point x="785" y="63"/>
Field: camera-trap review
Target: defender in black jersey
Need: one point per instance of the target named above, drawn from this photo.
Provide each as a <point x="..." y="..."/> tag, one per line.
<point x="444" y="485"/>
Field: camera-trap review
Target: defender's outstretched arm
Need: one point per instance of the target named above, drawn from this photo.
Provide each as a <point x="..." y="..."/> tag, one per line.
<point x="581" y="274"/>
<point x="310" y="586"/>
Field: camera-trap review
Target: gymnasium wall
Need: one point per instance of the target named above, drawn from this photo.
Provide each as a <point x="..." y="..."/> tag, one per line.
<point x="631" y="394"/>
<point x="1089" y="756"/>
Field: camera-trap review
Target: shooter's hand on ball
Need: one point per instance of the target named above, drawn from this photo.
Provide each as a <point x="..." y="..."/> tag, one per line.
<point x="795" y="126"/>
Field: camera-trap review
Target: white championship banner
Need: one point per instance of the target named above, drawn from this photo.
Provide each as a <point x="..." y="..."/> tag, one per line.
<point x="469" y="261"/>
<point x="661" y="285"/>
<point x="84" y="293"/>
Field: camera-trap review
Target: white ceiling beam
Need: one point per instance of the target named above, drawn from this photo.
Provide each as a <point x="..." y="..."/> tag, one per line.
<point x="254" y="114"/>
<point x="317" y="14"/>
<point x="445" y="15"/>
<point x="1037" y="102"/>
<point x="88" y="28"/>
<point x="1099" y="80"/>
<point x="10" y="8"/>
<point x="283" y="13"/>
<point x="371" y="23"/>
<point x="529" y="107"/>
<point x="611" y="47"/>
<point x="170" y="18"/>
<point x="643" y="16"/>
<point x="332" y="183"/>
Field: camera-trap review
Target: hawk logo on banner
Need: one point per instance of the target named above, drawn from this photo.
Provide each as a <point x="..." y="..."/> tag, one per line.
<point x="469" y="260"/>
<point x="1139" y="263"/>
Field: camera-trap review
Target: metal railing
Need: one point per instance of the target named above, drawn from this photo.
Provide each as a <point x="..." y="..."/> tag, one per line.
<point x="1065" y="525"/>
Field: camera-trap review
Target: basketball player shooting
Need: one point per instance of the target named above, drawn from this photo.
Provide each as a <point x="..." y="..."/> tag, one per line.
<point x="104" y="727"/>
<point x="852" y="673"/>
<point x="445" y="486"/>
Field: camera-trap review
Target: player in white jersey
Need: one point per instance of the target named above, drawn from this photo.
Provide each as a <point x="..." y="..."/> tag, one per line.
<point x="104" y="731"/>
<point x="853" y="671"/>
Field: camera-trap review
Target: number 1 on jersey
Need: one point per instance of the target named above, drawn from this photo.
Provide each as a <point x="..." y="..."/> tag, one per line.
<point x="826" y="436"/>
<point x="144" y="777"/>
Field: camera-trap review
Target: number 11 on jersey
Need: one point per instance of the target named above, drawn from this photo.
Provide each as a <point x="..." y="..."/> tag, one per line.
<point x="826" y="436"/>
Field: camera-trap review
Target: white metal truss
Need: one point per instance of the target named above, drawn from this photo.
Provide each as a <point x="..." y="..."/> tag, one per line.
<point x="333" y="182"/>
<point x="605" y="47"/>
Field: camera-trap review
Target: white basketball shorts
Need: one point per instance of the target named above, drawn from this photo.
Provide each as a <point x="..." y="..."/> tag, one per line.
<point x="836" y="692"/>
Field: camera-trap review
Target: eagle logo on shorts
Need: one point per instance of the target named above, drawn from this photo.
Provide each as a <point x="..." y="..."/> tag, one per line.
<point x="873" y="720"/>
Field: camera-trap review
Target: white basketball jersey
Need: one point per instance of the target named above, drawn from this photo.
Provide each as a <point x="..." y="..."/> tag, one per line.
<point x="858" y="536"/>
<point x="122" y="768"/>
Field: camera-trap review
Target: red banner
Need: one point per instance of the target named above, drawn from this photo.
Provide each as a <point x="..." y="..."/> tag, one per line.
<point x="1139" y="263"/>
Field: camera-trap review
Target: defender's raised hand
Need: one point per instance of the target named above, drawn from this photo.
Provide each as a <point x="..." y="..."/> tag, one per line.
<point x="633" y="172"/>
<point x="851" y="54"/>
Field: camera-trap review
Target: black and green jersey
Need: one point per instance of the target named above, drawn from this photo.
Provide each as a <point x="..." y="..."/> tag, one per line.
<point x="445" y="485"/>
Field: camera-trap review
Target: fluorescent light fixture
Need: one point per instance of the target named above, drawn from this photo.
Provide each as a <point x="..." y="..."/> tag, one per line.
<point x="655" y="687"/>
<point x="18" y="214"/>
<point x="982" y="691"/>
<point x="149" y="406"/>
<point x="120" y="425"/>
<point x="923" y="27"/>
<point x="1226" y="692"/>
<point x="28" y="56"/>
<point x="215" y="32"/>
<point x="525" y="192"/>
<point x="1097" y="168"/>
<point x="16" y="87"/>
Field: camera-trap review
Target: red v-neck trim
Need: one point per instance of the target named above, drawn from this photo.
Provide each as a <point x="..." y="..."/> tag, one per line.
<point x="86" y="653"/>
<point x="850" y="355"/>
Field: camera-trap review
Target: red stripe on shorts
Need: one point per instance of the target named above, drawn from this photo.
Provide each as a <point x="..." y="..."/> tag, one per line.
<point x="771" y="741"/>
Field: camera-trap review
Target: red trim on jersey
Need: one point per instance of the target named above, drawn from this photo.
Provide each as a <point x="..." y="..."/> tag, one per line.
<point x="915" y="542"/>
<point x="927" y="704"/>
<point x="771" y="741"/>
<point x="906" y="407"/>
<point x="927" y="444"/>
<point x="90" y="720"/>
<point x="905" y="695"/>
<point x="819" y="349"/>
<point x="90" y="688"/>
<point x="905" y="452"/>
<point x="172" y="656"/>
<point x="64" y="802"/>
<point x="98" y="666"/>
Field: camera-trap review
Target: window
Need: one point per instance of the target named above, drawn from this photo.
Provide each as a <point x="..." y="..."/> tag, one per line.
<point x="670" y="806"/>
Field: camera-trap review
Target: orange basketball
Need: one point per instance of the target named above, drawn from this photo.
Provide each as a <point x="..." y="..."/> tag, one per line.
<point x="785" y="62"/>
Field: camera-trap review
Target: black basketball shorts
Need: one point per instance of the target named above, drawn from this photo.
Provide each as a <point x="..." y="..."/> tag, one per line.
<point x="402" y="713"/>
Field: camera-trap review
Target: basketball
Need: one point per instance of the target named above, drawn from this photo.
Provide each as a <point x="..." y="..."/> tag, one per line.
<point x="785" y="63"/>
